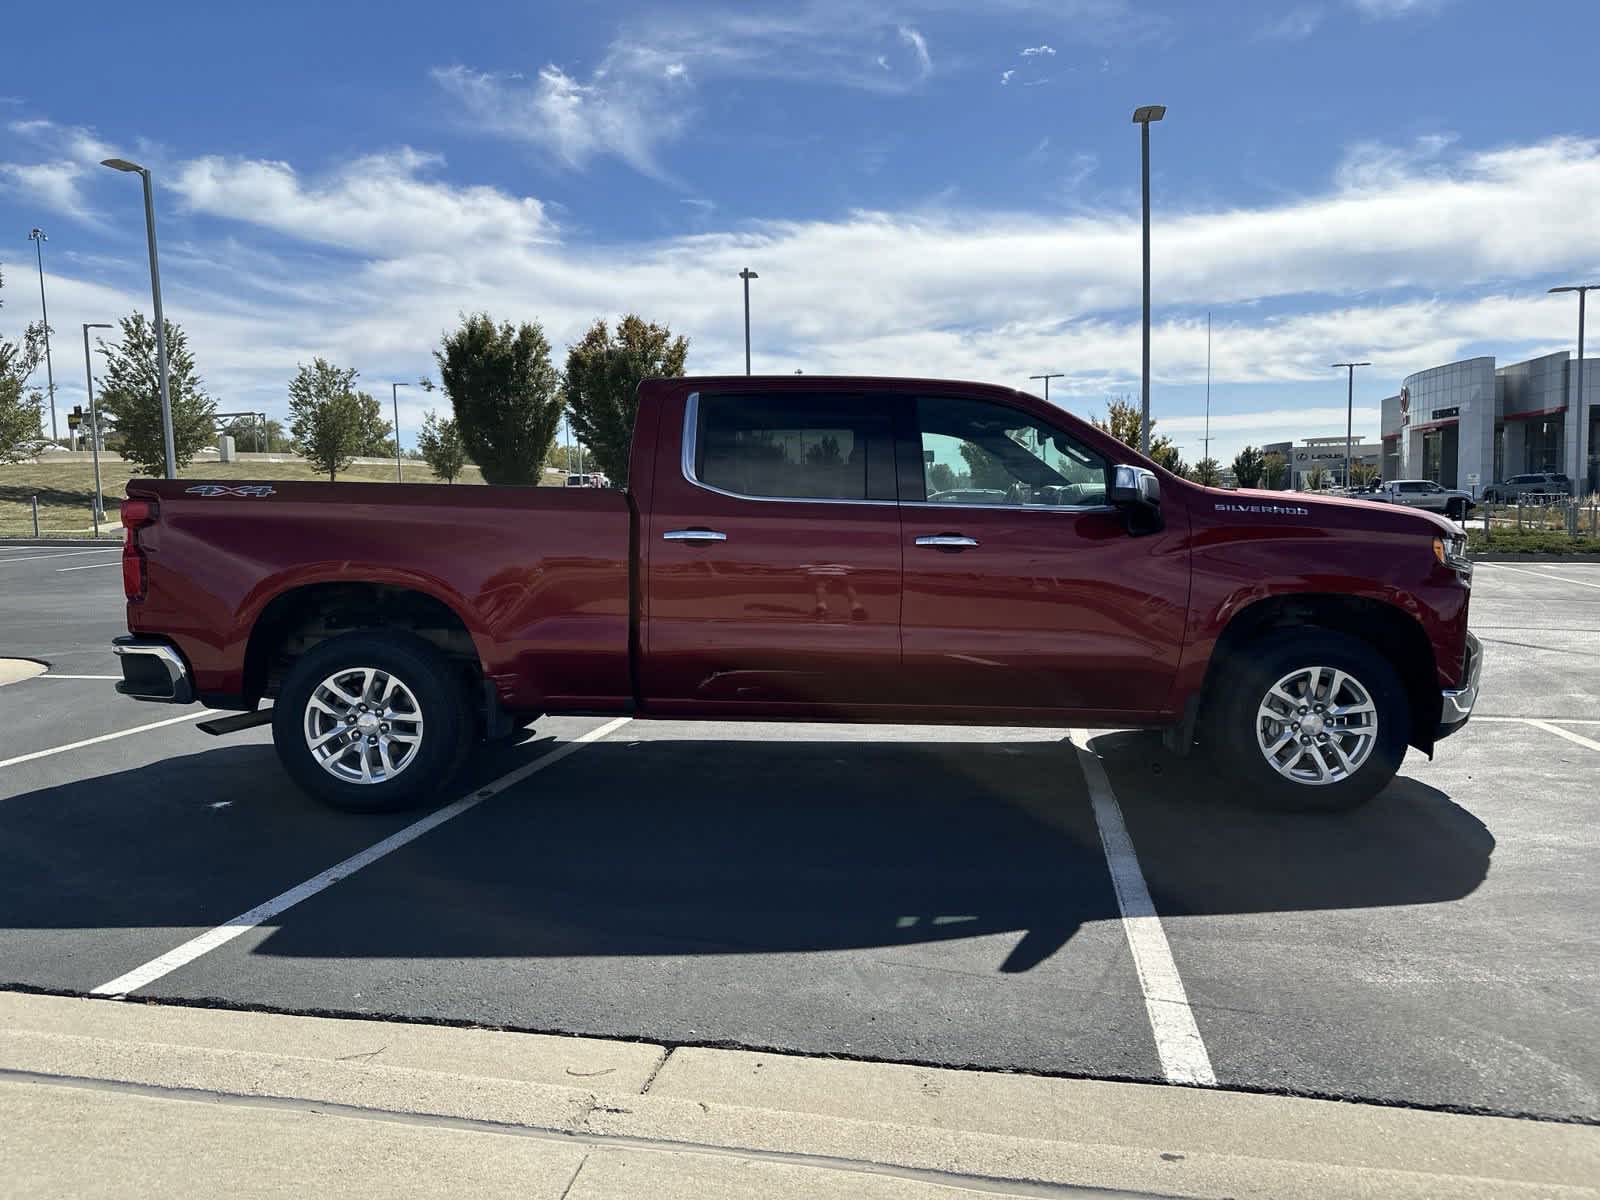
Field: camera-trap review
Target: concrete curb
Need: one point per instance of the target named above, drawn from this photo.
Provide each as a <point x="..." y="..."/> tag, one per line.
<point x="111" y="543"/>
<point x="793" y="1126"/>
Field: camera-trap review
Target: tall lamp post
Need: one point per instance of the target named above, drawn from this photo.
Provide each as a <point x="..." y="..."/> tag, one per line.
<point x="38" y="238"/>
<point x="747" y="275"/>
<point x="94" y="428"/>
<point x="122" y="164"/>
<point x="1349" y="410"/>
<point x="1580" y="469"/>
<point x="1144" y="117"/>
<point x="1047" y="378"/>
<point x="394" y="396"/>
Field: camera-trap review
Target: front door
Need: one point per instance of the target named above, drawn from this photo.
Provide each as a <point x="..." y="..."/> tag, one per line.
<point x="773" y="577"/>
<point x="1023" y="589"/>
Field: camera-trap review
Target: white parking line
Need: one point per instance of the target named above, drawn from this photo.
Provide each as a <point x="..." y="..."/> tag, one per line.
<point x="53" y="675"/>
<point x="90" y="567"/>
<point x="68" y="554"/>
<point x="197" y="715"/>
<point x="1566" y="733"/>
<point x="1178" y="1045"/>
<point x="1544" y="575"/>
<point x="1525" y="720"/>
<point x="194" y="948"/>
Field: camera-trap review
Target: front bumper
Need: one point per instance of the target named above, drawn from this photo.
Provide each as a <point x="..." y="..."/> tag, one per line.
<point x="1457" y="703"/>
<point x="152" y="670"/>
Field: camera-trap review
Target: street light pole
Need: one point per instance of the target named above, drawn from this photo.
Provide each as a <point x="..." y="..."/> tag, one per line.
<point x="94" y="428"/>
<point x="747" y="275"/>
<point x="1143" y="117"/>
<point x="122" y="164"/>
<point x="38" y="238"/>
<point x="394" y="396"/>
<point x="1047" y="378"/>
<point x="1349" y="410"/>
<point x="1580" y="475"/>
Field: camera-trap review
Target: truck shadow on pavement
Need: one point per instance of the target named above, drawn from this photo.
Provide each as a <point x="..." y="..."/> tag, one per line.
<point x="651" y="846"/>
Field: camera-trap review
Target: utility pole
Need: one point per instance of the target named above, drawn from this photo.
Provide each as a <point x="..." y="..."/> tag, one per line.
<point x="747" y="275"/>
<point x="1580" y="468"/>
<point x="1143" y="117"/>
<point x="1349" y="410"/>
<point x="38" y="238"/>
<point x="122" y="164"/>
<point x="94" y="429"/>
<point x="394" y="397"/>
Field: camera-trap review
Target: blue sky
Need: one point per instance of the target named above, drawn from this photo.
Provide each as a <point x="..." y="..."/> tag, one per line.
<point x="926" y="187"/>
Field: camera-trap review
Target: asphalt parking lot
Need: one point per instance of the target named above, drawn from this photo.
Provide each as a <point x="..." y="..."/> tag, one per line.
<point x="912" y="894"/>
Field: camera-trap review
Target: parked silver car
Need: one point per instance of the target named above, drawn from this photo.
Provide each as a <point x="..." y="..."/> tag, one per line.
<point x="1425" y="493"/>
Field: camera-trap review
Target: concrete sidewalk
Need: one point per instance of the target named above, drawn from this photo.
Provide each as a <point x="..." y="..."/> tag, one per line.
<point x="109" y="1098"/>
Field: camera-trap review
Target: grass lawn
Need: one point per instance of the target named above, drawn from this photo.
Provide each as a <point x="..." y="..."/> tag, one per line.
<point x="66" y="489"/>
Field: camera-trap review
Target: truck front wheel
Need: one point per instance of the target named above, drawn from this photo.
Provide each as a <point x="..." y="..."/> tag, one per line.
<point x="1311" y="721"/>
<point x="371" y="722"/>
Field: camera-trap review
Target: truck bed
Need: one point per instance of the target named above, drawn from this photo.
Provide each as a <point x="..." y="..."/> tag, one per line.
<point x="539" y="577"/>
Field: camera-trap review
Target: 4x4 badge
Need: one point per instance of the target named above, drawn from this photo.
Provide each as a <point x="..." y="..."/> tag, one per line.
<point x="217" y="489"/>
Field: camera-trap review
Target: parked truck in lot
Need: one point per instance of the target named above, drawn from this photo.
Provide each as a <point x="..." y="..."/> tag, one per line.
<point x="808" y="548"/>
<point x="1424" y="494"/>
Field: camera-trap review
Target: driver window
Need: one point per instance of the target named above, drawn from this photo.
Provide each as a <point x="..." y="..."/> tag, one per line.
<point x="975" y="452"/>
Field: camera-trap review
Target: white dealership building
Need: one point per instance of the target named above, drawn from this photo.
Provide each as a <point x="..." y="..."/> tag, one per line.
<point x="1472" y="423"/>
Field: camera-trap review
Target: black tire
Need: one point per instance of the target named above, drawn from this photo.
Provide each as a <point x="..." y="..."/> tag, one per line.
<point x="1456" y="510"/>
<point x="1253" y="669"/>
<point x="446" y="732"/>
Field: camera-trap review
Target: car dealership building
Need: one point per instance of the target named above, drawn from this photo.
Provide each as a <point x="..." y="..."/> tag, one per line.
<point x="1471" y="423"/>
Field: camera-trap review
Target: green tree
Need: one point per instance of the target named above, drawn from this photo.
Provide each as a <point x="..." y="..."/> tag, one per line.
<point x="1248" y="466"/>
<point x="1123" y="421"/>
<point x="941" y="478"/>
<point x="250" y="437"/>
<point x="21" y="407"/>
<point x="439" y="443"/>
<point x="984" y="469"/>
<point x="602" y="384"/>
<point x="1316" y="479"/>
<point x="374" y="440"/>
<point x="506" y="395"/>
<point x="326" y="416"/>
<point x="1362" y="474"/>
<point x="130" y="396"/>
<point x="1207" y="471"/>
<point x="1273" y="469"/>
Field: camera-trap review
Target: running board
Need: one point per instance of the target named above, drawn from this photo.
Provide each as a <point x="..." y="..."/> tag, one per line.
<point x="236" y="722"/>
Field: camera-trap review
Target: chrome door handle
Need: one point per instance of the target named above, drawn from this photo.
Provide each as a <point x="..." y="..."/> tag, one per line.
<point x="693" y="535"/>
<point x="947" y="539"/>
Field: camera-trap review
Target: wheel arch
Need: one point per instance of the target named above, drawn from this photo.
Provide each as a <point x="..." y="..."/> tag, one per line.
<point x="303" y="615"/>
<point x="1384" y="626"/>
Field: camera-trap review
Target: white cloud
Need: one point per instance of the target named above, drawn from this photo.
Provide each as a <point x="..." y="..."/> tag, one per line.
<point x="919" y="48"/>
<point x="54" y="187"/>
<point x="633" y="102"/>
<point x="1406" y="266"/>
<point x="1386" y="10"/>
<point x="1034" y="51"/>
<point x="1005" y="77"/>
<point x="1294" y="25"/>
<point x="379" y="204"/>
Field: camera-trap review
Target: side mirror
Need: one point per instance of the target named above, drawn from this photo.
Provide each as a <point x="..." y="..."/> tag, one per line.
<point x="1137" y="492"/>
<point x="1135" y="485"/>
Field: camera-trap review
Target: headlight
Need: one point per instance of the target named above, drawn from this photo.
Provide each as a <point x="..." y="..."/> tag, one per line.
<point x="1451" y="551"/>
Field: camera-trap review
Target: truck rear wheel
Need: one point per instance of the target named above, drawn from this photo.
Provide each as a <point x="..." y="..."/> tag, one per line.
<point x="1311" y="721"/>
<point x="371" y="722"/>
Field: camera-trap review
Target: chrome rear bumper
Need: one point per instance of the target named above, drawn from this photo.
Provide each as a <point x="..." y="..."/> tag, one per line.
<point x="152" y="670"/>
<point x="1457" y="702"/>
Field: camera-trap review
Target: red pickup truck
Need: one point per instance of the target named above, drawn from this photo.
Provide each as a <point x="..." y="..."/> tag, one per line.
<point x="798" y="547"/>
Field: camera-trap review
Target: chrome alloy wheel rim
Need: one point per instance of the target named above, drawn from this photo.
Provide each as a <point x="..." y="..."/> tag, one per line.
<point x="1317" y="725"/>
<point x="363" y="725"/>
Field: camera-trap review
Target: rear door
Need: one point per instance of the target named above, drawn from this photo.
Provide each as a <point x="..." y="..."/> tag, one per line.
<point x="774" y="563"/>
<point x="1023" y="590"/>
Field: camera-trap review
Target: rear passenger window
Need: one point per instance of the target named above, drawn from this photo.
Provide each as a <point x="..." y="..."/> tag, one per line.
<point x="796" y="447"/>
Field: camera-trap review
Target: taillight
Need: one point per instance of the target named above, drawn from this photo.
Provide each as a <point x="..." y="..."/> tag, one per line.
<point x="136" y="514"/>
